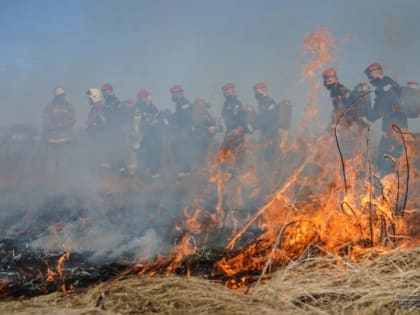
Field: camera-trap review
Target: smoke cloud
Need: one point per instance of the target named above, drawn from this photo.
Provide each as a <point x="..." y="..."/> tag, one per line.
<point x="153" y="45"/>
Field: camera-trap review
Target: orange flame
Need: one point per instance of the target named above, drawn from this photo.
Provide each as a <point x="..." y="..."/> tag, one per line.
<point x="313" y="211"/>
<point x="320" y="46"/>
<point x="323" y="218"/>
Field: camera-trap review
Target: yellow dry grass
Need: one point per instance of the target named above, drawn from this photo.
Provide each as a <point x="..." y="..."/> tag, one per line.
<point x="319" y="285"/>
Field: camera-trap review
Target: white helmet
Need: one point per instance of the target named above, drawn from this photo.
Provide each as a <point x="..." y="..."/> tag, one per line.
<point x="95" y="95"/>
<point x="58" y="90"/>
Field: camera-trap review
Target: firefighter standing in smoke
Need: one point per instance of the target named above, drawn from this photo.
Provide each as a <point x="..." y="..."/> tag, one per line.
<point x="183" y="123"/>
<point x="111" y="100"/>
<point x="354" y="105"/>
<point x="151" y="130"/>
<point x="97" y="126"/>
<point x="119" y="115"/>
<point x="340" y="95"/>
<point x="268" y="122"/>
<point x="112" y="107"/>
<point x="58" y="120"/>
<point x="234" y="115"/>
<point x="204" y="129"/>
<point x="117" y="111"/>
<point x="387" y="106"/>
<point x="168" y="132"/>
<point x="361" y="104"/>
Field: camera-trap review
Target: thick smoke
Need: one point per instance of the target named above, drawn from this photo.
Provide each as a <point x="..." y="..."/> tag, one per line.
<point x="154" y="45"/>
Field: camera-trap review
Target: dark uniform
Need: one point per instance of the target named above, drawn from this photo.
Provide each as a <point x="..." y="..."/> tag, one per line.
<point x="151" y="131"/>
<point x="117" y="112"/>
<point x="183" y="123"/>
<point x="234" y="115"/>
<point x="168" y="137"/>
<point x="119" y="119"/>
<point x="268" y="122"/>
<point x="98" y="130"/>
<point x="339" y="94"/>
<point x="112" y="106"/>
<point x="387" y="106"/>
<point x="360" y="102"/>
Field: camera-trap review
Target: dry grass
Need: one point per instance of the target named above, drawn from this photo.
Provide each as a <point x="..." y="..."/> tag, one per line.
<point x="330" y="285"/>
<point x="327" y="285"/>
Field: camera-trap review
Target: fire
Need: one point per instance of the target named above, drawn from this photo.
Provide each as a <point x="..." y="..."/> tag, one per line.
<point x="195" y="225"/>
<point x="320" y="45"/>
<point x="320" y="49"/>
<point x="221" y="165"/>
<point x="53" y="276"/>
<point x="60" y="265"/>
<point x="312" y="213"/>
<point x="318" y="208"/>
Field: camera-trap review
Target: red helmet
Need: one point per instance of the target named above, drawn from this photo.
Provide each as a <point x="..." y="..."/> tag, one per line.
<point x="330" y="72"/>
<point x="228" y="86"/>
<point x="373" y="66"/>
<point x="142" y="94"/>
<point x="106" y="86"/>
<point x="260" y="85"/>
<point x="176" y="88"/>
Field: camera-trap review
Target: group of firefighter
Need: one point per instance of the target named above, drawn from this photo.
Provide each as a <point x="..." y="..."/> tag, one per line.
<point x="392" y="103"/>
<point x="134" y="137"/>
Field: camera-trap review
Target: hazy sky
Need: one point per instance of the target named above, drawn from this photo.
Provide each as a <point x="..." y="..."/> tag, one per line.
<point x="154" y="44"/>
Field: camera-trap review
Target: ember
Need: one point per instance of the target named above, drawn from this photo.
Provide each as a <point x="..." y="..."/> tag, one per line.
<point x="29" y="272"/>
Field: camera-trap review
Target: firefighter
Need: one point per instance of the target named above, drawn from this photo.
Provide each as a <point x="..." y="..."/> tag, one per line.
<point x="360" y="107"/>
<point x="361" y="100"/>
<point x="182" y="119"/>
<point x="204" y="129"/>
<point x="411" y="99"/>
<point x="97" y="129"/>
<point x="387" y="105"/>
<point x="135" y="141"/>
<point x="120" y="115"/>
<point x="236" y="124"/>
<point x="58" y="120"/>
<point x="110" y="99"/>
<point x="118" y="112"/>
<point x="151" y="130"/>
<point x="97" y="118"/>
<point x="267" y="122"/>
<point x="168" y="139"/>
<point x="339" y="94"/>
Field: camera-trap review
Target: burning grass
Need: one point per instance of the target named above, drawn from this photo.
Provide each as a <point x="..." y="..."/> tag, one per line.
<point x="379" y="284"/>
<point x="316" y="245"/>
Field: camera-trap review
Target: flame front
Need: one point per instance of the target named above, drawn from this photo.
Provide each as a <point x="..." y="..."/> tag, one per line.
<point x="326" y="201"/>
<point x="312" y="213"/>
